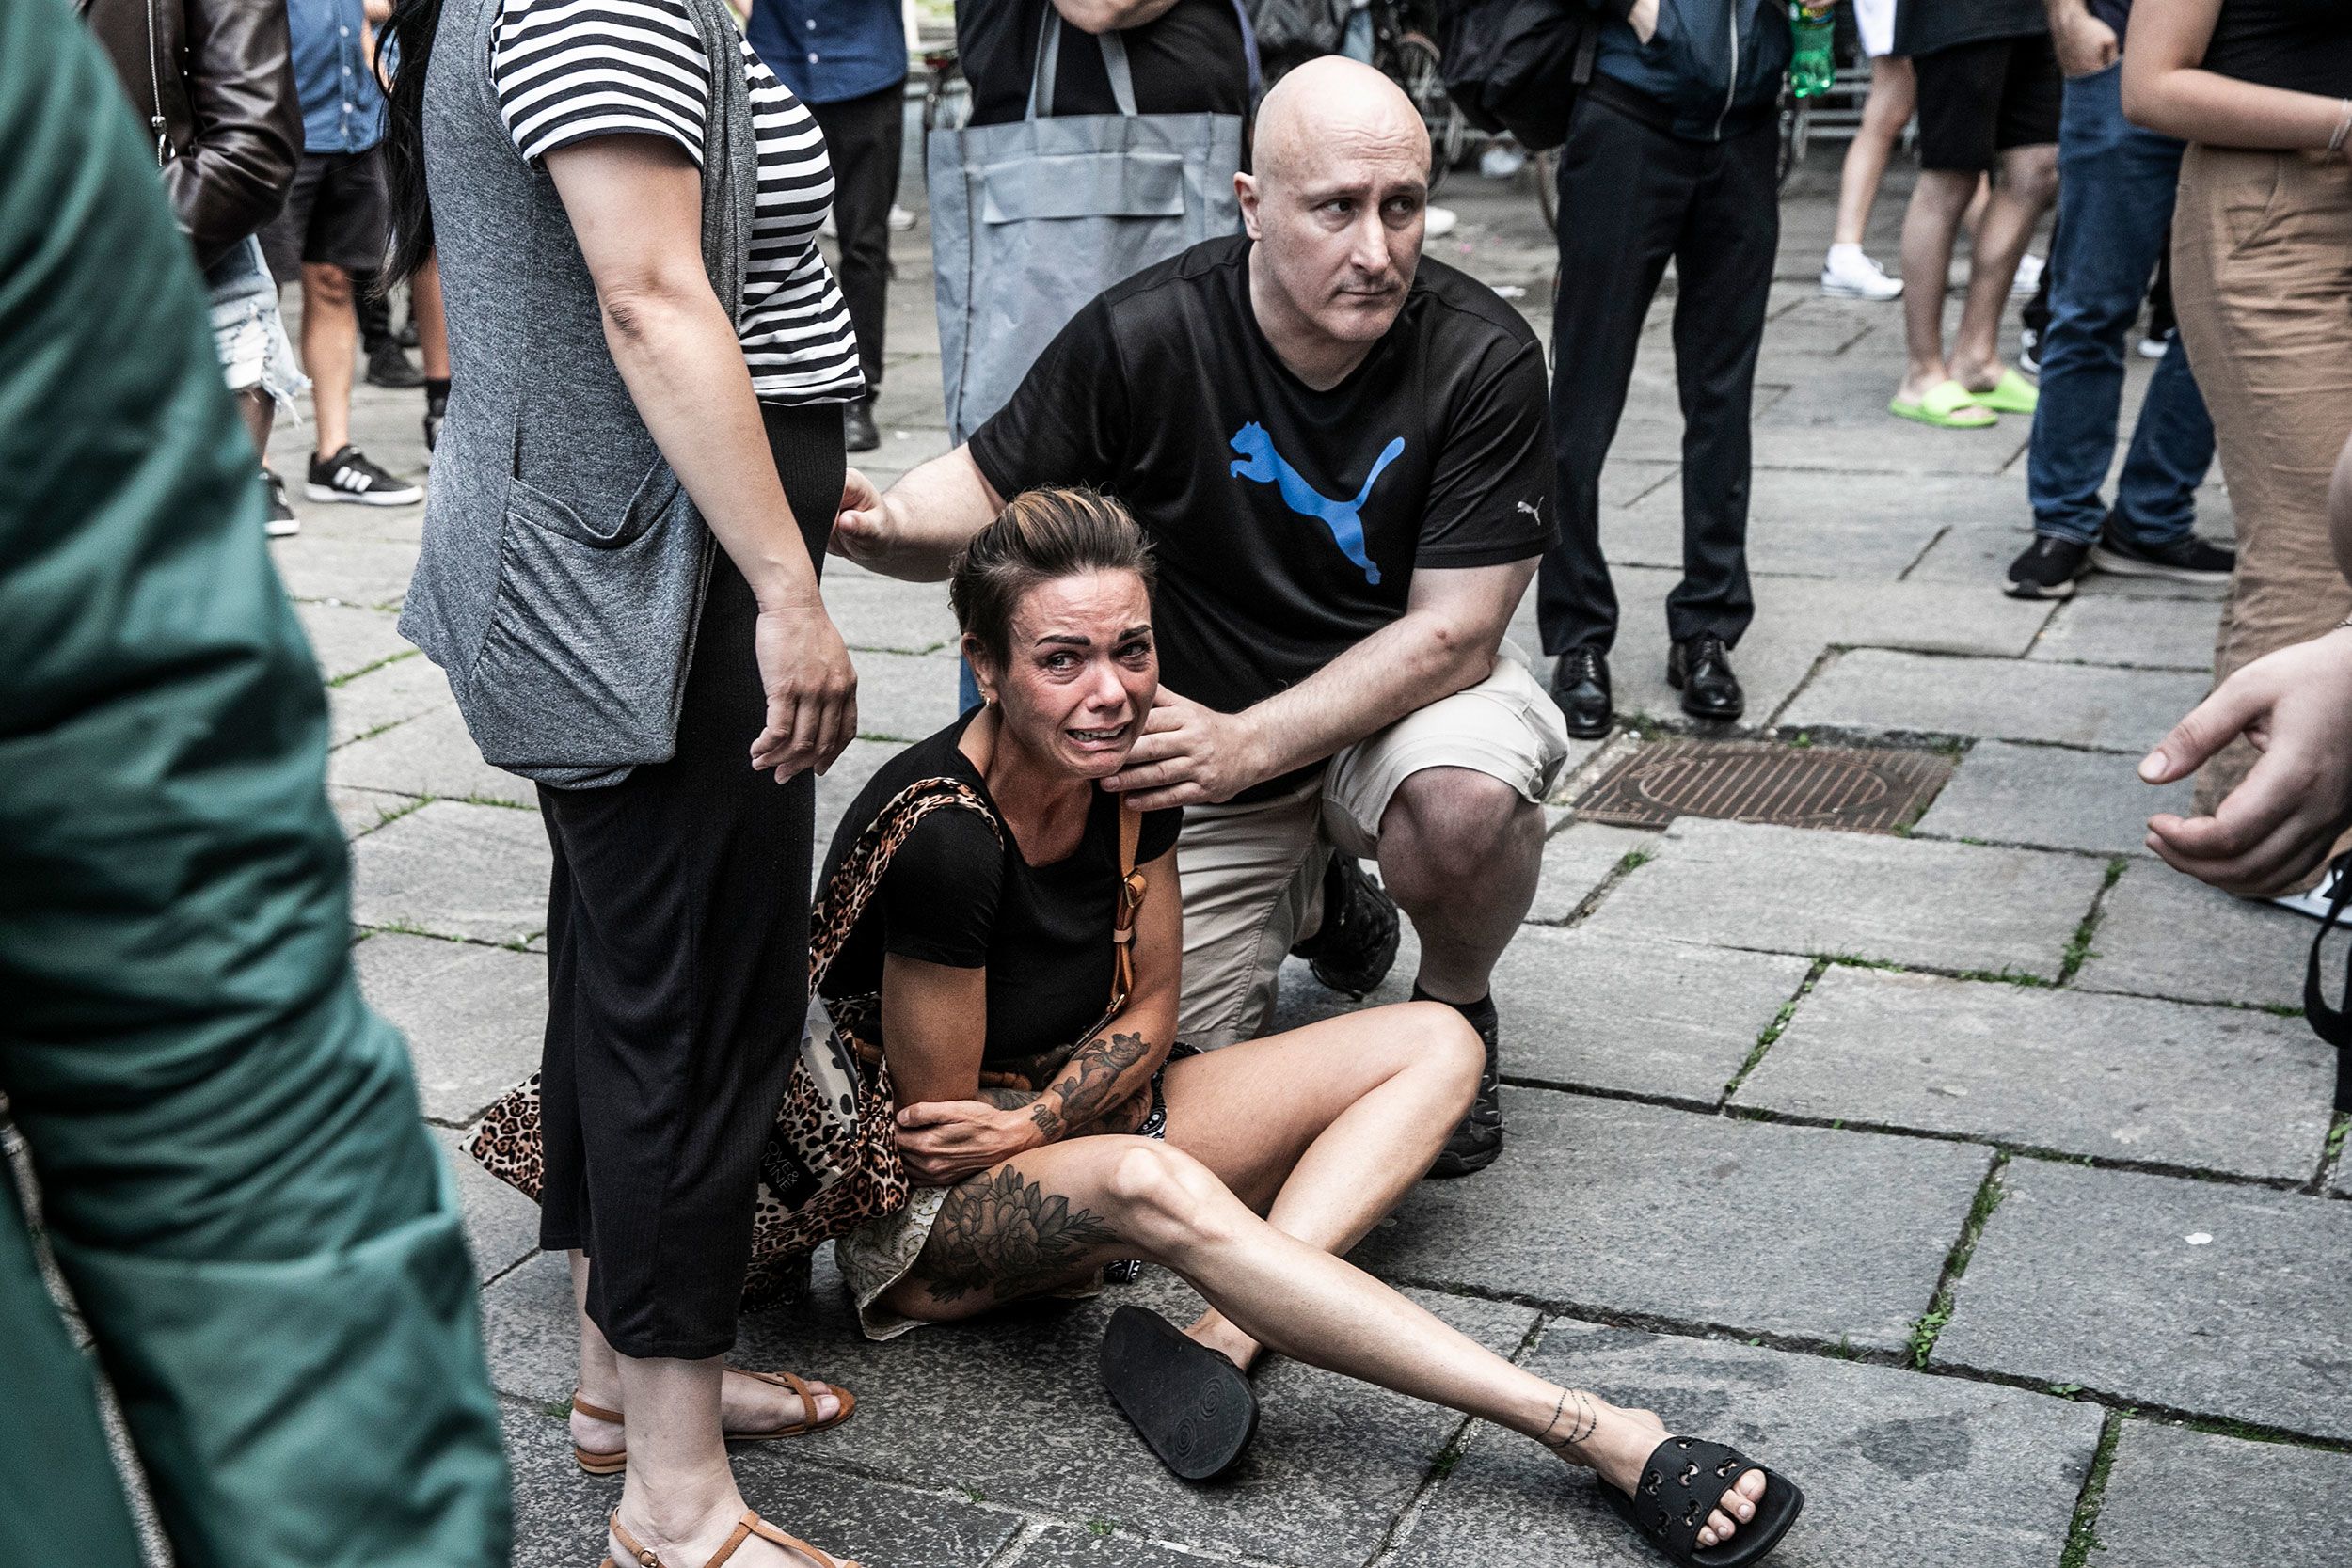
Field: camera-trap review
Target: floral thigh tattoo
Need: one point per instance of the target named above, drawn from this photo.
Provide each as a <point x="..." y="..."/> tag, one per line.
<point x="1003" y="1234"/>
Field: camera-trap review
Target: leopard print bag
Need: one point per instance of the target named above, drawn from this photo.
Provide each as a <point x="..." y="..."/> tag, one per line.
<point x="831" y="1163"/>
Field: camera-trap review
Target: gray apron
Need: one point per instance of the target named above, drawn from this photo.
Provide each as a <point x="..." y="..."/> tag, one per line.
<point x="1033" y="218"/>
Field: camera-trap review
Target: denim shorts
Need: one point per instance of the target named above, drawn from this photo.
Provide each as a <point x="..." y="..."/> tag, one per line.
<point x="249" y="335"/>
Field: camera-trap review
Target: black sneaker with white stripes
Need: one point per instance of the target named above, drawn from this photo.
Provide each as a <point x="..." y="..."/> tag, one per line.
<point x="348" y="476"/>
<point x="2189" y="559"/>
<point x="282" y="523"/>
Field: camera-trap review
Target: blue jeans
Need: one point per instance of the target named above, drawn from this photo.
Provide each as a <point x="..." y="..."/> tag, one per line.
<point x="2115" y="207"/>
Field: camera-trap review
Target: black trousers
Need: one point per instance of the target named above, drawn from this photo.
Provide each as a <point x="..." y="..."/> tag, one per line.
<point x="863" y="136"/>
<point x="1631" y="198"/>
<point x="677" y="971"/>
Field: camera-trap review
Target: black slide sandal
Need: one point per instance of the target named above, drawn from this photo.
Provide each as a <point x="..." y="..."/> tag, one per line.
<point x="1681" y="1484"/>
<point x="1191" y="1405"/>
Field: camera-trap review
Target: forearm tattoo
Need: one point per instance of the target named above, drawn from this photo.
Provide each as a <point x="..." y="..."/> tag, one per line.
<point x="1008" y="1099"/>
<point x="1001" y="1233"/>
<point x="1091" y="1080"/>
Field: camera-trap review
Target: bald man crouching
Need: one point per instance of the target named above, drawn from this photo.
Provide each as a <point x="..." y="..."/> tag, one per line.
<point x="1339" y="452"/>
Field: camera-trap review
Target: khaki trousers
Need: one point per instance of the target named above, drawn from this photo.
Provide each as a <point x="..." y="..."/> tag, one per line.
<point x="2262" y="280"/>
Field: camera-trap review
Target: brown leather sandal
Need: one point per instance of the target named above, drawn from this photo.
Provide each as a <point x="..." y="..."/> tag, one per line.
<point x="614" y="1463"/>
<point x="745" y="1528"/>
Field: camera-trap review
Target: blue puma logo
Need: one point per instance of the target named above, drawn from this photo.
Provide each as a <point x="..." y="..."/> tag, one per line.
<point x="1261" y="463"/>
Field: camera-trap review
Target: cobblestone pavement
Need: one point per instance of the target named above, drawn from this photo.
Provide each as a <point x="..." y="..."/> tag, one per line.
<point x="1980" y="1175"/>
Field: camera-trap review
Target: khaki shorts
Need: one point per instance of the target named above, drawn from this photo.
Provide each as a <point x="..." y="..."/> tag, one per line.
<point x="1252" y="873"/>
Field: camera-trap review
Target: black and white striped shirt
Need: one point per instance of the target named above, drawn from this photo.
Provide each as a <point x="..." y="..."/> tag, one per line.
<point x="567" y="71"/>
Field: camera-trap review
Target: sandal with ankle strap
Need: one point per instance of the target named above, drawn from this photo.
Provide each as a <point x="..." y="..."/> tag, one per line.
<point x="614" y="1463"/>
<point x="1681" y="1483"/>
<point x="745" y="1528"/>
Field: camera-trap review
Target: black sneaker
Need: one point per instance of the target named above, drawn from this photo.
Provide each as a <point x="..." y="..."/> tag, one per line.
<point x="2029" y="351"/>
<point x="282" y="523"/>
<point x="347" y="476"/>
<point x="389" y="365"/>
<point x="1478" y="1141"/>
<point x="1352" y="950"/>
<point x="2048" y="568"/>
<point x="857" y="425"/>
<point x="2189" y="559"/>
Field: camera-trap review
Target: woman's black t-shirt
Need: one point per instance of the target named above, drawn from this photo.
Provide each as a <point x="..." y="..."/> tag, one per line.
<point x="955" y="895"/>
<point x="1189" y="59"/>
<point x="2302" y="45"/>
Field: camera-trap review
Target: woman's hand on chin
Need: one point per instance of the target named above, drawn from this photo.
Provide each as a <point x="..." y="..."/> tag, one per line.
<point x="944" y="1141"/>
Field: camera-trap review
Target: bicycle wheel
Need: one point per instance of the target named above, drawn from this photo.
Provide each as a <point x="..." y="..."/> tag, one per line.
<point x="1413" y="61"/>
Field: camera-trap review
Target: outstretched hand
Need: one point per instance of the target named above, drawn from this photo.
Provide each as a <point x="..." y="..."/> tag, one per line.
<point x="2295" y="707"/>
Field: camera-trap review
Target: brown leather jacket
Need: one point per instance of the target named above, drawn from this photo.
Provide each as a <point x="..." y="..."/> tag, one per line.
<point x="212" y="81"/>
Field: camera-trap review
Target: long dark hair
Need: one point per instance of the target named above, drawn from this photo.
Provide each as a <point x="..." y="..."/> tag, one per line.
<point x="406" y="43"/>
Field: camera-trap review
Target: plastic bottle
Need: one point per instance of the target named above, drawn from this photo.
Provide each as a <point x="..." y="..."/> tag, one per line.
<point x="1813" y="69"/>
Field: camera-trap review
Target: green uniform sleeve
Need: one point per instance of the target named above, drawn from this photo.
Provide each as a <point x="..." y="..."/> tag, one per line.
<point x="235" y="1182"/>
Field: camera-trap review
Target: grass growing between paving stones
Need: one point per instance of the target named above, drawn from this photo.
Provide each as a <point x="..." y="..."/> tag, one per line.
<point x="2332" y="1151"/>
<point x="350" y="676"/>
<point x="1939" y="1313"/>
<point x="2082" y="1536"/>
<point x="1778" y="1027"/>
<point x="2079" y="949"/>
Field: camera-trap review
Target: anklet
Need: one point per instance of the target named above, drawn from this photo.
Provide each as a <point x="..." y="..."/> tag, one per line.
<point x="1581" y="1428"/>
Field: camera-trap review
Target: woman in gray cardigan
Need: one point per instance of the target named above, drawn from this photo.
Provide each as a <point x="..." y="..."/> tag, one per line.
<point x="627" y="515"/>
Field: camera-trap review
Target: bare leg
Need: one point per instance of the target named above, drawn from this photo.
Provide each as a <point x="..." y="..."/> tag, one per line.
<point x="1929" y="227"/>
<point x="2028" y="183"/>
<point x="1324" y="1129"/>
<point x="331" y="340"/>
<point x="1894" y="91"/>
<point x="1056" y="1213"/>
<point x="1447" y="829"/>
<point x="680" y="1499"/>
<point x="424" y="304"/>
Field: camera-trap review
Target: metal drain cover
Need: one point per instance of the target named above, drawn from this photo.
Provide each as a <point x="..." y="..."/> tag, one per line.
<point x="1753" y="781"/>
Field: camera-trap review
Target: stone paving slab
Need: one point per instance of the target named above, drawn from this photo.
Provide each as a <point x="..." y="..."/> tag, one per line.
<point x="473" y="1014"/>
<point x="1607" y="1205"/>
<point x="2050" y="798"/>
<point x="1895" y="1468"/>
<point x="2213" y="1088"/>
<point x="903" y="697"/>
<point x="1069" y="1546"/>
<point x="431" y="754"/>
<point x="456" y="871"/>
<point x="346" y="639"/>
<point x="1879" y="691"/>
<point x="2199" y="1296"/>
<point x="2177" y="1497"/>
<point x="1827" y="424"/>
<point x="363" y="811"/>
<point x="345" y="571"/>
<point x="878" y="612"/>
<point x="2153" y="634"/>
<point x="1578" y="858"/>
<point x="1805" y="521"/>
<point x="1636" y="1017"/>
<point x="1013" y="1405"/>
<point x="839" y="784"/>
<point x="369" y="703"/>
<point x="559" y="1513"/>
<point x="1796" y="890"/>
<point x="501" y="1225"/>
<point x="2163" y="934"/>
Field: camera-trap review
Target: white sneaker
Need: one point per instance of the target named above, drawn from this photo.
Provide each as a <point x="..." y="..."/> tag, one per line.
<point x="2314" y="902"/>
<point x="2028" y="277"/>
<point x="1848" y="273"/>
<point x="900" y="220"/>
<point x="2153" y="347"/>
<point x="1437" y="221"/>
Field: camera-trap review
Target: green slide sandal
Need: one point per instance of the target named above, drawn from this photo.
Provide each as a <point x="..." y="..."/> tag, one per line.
<point x="1947" y="405"/>
<point x="2012" y="394"/>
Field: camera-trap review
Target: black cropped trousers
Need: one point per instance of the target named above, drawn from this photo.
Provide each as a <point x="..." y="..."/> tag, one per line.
<point x="677" y="975"/>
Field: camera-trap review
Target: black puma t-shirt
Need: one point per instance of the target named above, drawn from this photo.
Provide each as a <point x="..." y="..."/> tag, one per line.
<point x="1287" y="522"/>
<point x="954" y="895"/>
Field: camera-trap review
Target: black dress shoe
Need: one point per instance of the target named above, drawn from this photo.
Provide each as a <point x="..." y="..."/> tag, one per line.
<point x="388" y="365"/>
<point x="857" y="425"/>
<point x="1579" y="684"/>
<point x="1700" y="669"/>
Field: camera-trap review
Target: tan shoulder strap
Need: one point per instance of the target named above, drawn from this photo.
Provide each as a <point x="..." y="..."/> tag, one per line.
<point x="1132" y="885"/>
